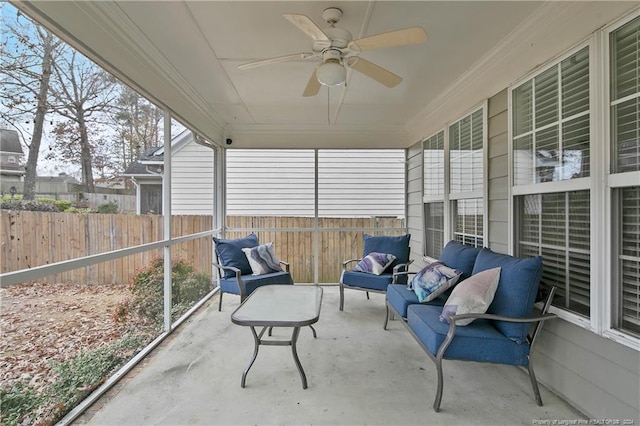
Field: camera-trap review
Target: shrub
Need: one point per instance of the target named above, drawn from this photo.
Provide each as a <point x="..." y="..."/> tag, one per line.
<point x="110" y="207"/>
<point x="62" y="205"/>
<point x="35" y="206"/>
<point x="146" y="301"/>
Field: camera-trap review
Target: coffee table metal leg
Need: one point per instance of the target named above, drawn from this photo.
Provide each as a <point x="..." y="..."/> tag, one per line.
<point x="255" y="355"/>
<point x="294" y="340"/>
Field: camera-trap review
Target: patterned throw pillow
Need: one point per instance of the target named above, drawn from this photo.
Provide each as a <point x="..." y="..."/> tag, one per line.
<point x="472" y="296"/>
<point x="263" y="259"/>
<point x="433" y="280"/>
<point x="374" y="263"/>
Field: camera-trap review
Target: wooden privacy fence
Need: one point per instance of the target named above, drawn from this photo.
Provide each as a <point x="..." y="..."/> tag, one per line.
<point x="32" y="239"/>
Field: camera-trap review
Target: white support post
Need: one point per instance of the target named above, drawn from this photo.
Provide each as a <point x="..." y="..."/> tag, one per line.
<point x="166" y="211"/>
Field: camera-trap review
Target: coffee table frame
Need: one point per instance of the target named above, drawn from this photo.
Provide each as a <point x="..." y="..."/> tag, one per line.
<point x="279" y="306"/>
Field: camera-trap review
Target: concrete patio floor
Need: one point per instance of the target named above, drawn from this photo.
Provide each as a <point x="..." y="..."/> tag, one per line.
<point x="357" y="374"/>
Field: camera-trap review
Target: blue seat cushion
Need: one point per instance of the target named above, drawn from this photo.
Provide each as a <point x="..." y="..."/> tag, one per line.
<point x="251" y="282"/>
<point x="460" y="256"/>
<point x="479" y="341"/>
<point x="366" y="281"/>
<point x="400" y="297"/>
<point x="230" y="253"/>
<point x="397" y="246"/>
<point x="517" y="289"/>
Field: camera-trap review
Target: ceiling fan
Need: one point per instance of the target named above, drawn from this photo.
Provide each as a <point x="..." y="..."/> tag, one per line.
<point x="336" y="49"/>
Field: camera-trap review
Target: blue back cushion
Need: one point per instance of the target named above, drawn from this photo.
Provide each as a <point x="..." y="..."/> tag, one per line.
<point x="517" y="289"/>
<point x="460" y="256"/>
<point x="230" y="253"/>
<point x="397" y="246"/>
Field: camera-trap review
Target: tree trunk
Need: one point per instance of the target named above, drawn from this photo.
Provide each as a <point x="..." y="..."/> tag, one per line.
<point x="41" y="111"/>
<point x="85" y="154"/>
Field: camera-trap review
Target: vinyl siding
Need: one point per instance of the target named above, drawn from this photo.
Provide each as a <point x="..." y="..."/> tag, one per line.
<point x="192" y="180"/>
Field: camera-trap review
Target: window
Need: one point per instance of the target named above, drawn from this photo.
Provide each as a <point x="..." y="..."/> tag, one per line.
<point x="433" y="190"/>
<point x="624" y="123"/>
<point x="434" y="229"/>
<point x="551" y="137"/>
<point x="454" y="189"/>
<point x="556" y="226"/>
<point x="466" y="150"/>
<point x="550" y="117"/>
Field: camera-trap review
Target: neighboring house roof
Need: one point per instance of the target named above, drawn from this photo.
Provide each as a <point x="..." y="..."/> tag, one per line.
<point x="139" y="167"/>
<point x="155" y="156"/>
<point x="11" y="149"/>
<point x="10" y="142"/>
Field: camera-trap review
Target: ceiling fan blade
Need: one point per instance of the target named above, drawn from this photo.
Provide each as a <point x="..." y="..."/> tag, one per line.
<point x="307" y="26"/>
<point x="374" y="71"/>
<point x="407" y="36"/>
<point x="303" y="55"/>
<point x="313" y="86"/>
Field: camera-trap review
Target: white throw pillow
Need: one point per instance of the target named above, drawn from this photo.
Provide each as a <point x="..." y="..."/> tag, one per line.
<point x="374" y="263"/>
<point x="472" y="296"/>
<point x="262" y="259"/>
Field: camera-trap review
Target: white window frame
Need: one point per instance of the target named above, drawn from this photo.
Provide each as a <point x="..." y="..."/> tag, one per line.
<point x="600" y="183"/>
<point x="440" y="198"/>
<point x="613" y="181"/>
<point x="448" y="197"/>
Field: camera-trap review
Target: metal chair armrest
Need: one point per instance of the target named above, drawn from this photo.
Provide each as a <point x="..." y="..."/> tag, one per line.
<point x="401" y="269"/>
<point x="346" y="262"/>
<point x="535" y="318"/>
<point x="238" y="273"/>
<point x="285" y="265"/>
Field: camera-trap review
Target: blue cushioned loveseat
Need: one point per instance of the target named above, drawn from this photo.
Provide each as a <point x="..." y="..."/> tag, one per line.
<point x="505" y="334"/>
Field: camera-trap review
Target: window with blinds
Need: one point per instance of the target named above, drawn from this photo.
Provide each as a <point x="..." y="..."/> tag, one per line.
<point x="434" y="229"/>
<point x="624" y="104"/>
<point x="433" y="151"/>
<point x="557" y="227"/>
<point x="468" y="228"/>
<point x="550" y="114"/>
<point x="627" y="256"/>
<point x="466" y="154"/>
<point x="625" y="97"/>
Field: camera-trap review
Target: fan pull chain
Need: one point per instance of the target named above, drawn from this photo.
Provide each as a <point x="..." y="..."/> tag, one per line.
<point x="328" y="110"/>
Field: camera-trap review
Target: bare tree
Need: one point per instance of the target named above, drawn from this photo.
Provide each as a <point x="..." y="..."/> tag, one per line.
<point x="82" y="94"/>
<point x="28" y="53"/>
<point x="137" y="124"/>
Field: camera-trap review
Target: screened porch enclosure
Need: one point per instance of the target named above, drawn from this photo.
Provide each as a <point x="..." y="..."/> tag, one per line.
<point x="314" y="205"/>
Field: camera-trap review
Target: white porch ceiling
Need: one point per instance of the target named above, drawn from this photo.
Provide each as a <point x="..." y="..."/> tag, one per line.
<point x="184" y="56"/>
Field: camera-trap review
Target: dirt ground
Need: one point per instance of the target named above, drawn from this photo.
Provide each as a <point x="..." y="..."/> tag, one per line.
<point x="41" y="323"/>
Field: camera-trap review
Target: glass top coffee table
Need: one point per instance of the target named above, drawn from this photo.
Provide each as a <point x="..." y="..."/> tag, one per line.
<point x="279" y="306"/>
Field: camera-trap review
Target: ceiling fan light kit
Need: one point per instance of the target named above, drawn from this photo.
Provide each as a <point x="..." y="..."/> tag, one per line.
<point x="336" y="49"/>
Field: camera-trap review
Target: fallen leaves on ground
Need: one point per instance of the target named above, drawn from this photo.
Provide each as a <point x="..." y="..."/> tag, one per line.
<point x="45" y="323"/>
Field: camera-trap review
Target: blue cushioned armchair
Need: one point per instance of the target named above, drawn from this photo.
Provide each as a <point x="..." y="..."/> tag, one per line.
<point x="397" y="246"/>
<point x="235" y="271"/>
